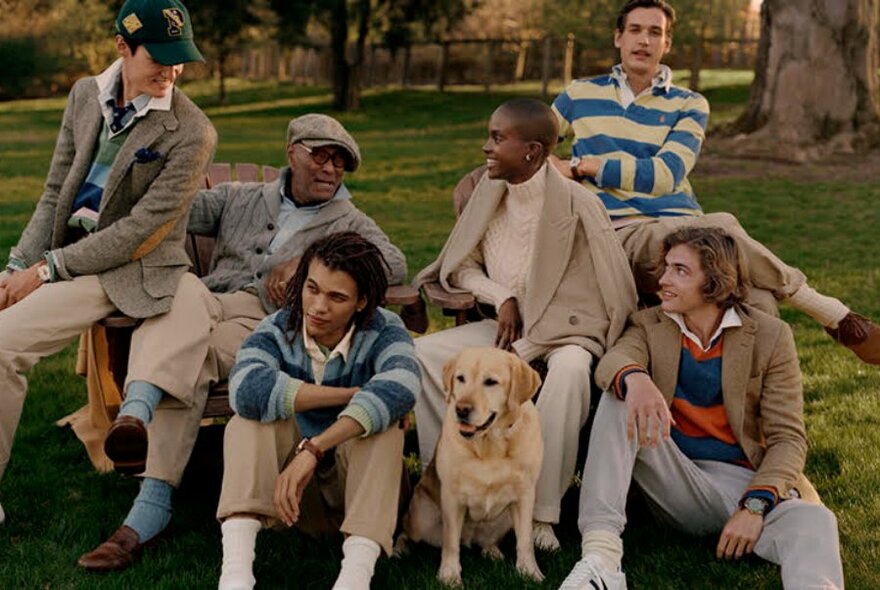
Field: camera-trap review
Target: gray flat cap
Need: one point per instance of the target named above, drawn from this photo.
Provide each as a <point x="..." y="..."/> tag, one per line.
<point x="316" y="130"/>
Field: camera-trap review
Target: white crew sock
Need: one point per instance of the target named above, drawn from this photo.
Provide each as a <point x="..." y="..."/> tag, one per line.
<point x="359" y="555"/>
<point x="826" y="310"/>
<point x="606" y="546"/>
<point x="239" y="540"/>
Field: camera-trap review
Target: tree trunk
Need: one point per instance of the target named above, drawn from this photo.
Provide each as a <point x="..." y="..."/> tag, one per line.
<point x="815" y="86"/>
<point x="339" y="45"/>
<point x="353" y="99"/>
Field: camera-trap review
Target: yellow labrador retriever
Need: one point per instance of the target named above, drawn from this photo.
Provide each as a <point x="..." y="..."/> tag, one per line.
<point x="482" y="479"/>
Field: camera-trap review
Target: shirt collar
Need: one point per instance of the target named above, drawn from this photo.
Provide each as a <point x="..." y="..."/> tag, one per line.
<point x="662" y="80"/>
<point x="730" y="319"/>
<point x="108" y="85"/>
<point x="314" y="349"/>
<point x="342" y="193"/>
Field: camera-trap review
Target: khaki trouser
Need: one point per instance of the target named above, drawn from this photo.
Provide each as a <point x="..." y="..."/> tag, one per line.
<point x="357" y="494"/>
<point x="563" y="406"/>
<point x="643" y="243"/>
<point x="41" y="324"/>
<point x="698" y="497"/>
<point x="203" y="332"/>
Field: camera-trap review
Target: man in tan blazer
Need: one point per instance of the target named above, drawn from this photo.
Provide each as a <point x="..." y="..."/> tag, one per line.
<point x="704" y="411"/>
<point x="541" y="250"/>
<point x="108" y="231"/>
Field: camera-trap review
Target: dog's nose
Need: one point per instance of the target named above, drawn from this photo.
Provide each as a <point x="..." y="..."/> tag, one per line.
<point x="463" y="411"/>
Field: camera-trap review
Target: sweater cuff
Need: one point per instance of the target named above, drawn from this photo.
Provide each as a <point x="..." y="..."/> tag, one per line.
<point x="50" y="263"/>
<point x="360" y="415"/>
<point x="15" y="264"/>
<point x="619" y="383"/>
<point x="287" y="401"/>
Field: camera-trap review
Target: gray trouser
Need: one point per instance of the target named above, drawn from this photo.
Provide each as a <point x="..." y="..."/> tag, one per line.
<point x="698" y="497"/>
<point x="563" y="405"/>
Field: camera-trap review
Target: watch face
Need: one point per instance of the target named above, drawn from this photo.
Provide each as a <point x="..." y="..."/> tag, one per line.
<point x="756" y="505"/>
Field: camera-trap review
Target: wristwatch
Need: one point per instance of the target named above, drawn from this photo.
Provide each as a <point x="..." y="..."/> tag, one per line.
<point x="306" y="444"/>
<point x="574" y="162"/>
<point x="755" y="505"/>
<point x="44" y="273"/>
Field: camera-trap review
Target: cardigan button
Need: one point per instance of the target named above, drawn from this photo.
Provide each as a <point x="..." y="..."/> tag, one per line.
<point x="573" y="320"/>
<point x="270" y="227"/>
<point x="259" y="250"/>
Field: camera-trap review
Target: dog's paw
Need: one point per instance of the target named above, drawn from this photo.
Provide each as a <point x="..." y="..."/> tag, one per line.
<point x="401" y="546"/>
<point x="450" y="574"/>
<point x="529" y="569"/>
<point x="493" y="552"/>
<point x="544" y="537"/>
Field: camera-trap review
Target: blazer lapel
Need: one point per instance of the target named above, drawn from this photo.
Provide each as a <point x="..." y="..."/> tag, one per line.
<point x="736" y="362"/>
<point x="664" y="346"/>
<point x="552" y="250"/>
<point x="143" y="135"/>
<point x="471" y="226"/>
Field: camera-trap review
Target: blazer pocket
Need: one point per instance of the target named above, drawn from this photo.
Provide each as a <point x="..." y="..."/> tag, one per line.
<point x="161" y="281"/>
<point x="143" y="173"/>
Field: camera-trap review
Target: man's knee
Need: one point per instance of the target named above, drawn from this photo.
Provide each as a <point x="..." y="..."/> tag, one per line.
<point x="570" y="361"/>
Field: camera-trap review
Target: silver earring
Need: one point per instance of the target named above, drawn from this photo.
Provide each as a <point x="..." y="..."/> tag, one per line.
<point x="528" y="157"/>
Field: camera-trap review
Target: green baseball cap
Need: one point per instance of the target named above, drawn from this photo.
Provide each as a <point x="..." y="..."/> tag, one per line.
<point x="163" y="27"/>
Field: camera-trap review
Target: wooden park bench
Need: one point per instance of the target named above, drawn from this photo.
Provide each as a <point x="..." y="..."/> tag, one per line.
<point x="119" y="328"/>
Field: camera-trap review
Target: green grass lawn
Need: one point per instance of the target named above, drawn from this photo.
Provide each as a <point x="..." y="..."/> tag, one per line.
<point x="416" y="144"/>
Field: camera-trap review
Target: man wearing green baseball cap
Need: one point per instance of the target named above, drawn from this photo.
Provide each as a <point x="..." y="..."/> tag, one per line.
<point x="108" y="231"/>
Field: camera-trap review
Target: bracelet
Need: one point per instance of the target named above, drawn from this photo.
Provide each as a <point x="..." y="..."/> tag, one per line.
<point x="307" y="445"/>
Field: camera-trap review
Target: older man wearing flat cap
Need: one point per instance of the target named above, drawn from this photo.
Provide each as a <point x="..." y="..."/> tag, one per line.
<point x="261" y="230"/>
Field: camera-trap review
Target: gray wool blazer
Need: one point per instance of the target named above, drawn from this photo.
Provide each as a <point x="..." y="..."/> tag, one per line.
<point x="137" y="250"/>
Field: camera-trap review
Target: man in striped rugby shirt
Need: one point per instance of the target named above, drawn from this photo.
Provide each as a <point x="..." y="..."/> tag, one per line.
<point x="637" y="137"/>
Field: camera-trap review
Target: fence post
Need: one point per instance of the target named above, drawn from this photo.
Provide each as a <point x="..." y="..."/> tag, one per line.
<point x="404" y="75"/>
<point x="520" y="72"/>
<point x="545" y="67"/>
<point x="569" y="57"/>
<point x="490" y="58"/>
<point x="444" y="61"/>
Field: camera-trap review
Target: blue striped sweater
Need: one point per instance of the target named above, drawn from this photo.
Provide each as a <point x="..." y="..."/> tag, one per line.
<point x="649" y="147"/>
<point x="381" y="362"/>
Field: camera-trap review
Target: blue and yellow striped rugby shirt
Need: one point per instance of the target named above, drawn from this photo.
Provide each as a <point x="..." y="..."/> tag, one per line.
<point x="649" y="147"/>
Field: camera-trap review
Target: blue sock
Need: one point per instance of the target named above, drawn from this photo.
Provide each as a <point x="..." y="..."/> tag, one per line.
<point x="151" y="511"/>
<point x="141" y="399"/>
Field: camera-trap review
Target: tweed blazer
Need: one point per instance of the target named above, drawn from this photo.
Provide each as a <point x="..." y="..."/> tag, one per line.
<point x="580" y="288"/>
<point x="137" y="250"/>
<point x="760" y="383"/>
<point x="243" y="217"/>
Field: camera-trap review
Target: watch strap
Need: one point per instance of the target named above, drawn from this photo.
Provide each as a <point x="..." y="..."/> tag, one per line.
<point x="307" y="445"/>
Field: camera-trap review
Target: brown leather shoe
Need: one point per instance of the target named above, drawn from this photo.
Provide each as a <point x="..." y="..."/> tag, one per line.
<point x="860" y="335"/>
<point x="126" y="445"/>
<point x="116" y="553"/>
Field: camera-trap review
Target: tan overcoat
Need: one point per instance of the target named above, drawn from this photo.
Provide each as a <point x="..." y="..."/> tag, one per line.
<point x="580" y="288"/>
<point x="760" y="383"/>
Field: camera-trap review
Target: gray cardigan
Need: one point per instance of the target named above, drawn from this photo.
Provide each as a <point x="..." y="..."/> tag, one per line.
<point x="242" y="217"/>
<point x="137" y="250"/>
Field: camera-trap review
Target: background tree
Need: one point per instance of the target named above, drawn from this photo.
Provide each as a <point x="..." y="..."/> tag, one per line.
<point x="221" y="27"/>
<point x="816" y="89"/>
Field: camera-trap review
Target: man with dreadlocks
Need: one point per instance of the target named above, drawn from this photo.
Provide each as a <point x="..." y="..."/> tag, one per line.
<point x="318" y="390"/>
<point x="261" y="230"/>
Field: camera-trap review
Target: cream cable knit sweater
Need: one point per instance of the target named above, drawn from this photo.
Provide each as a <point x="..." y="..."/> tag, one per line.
<point x="499" y="266"/>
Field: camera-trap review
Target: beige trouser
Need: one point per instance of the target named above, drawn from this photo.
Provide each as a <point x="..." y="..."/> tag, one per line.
<point x="563" y="406"/>
<point x="202" y="334"/>
<point x="357" y="494"/>
<point x="41" y="324"/>
<point x="699" y="497"/>
<point x="643" y="243"/>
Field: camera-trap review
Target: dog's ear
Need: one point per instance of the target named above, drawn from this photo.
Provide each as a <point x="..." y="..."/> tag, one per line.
<point x="449" y="376"/>
<point x="524" y="380"/>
